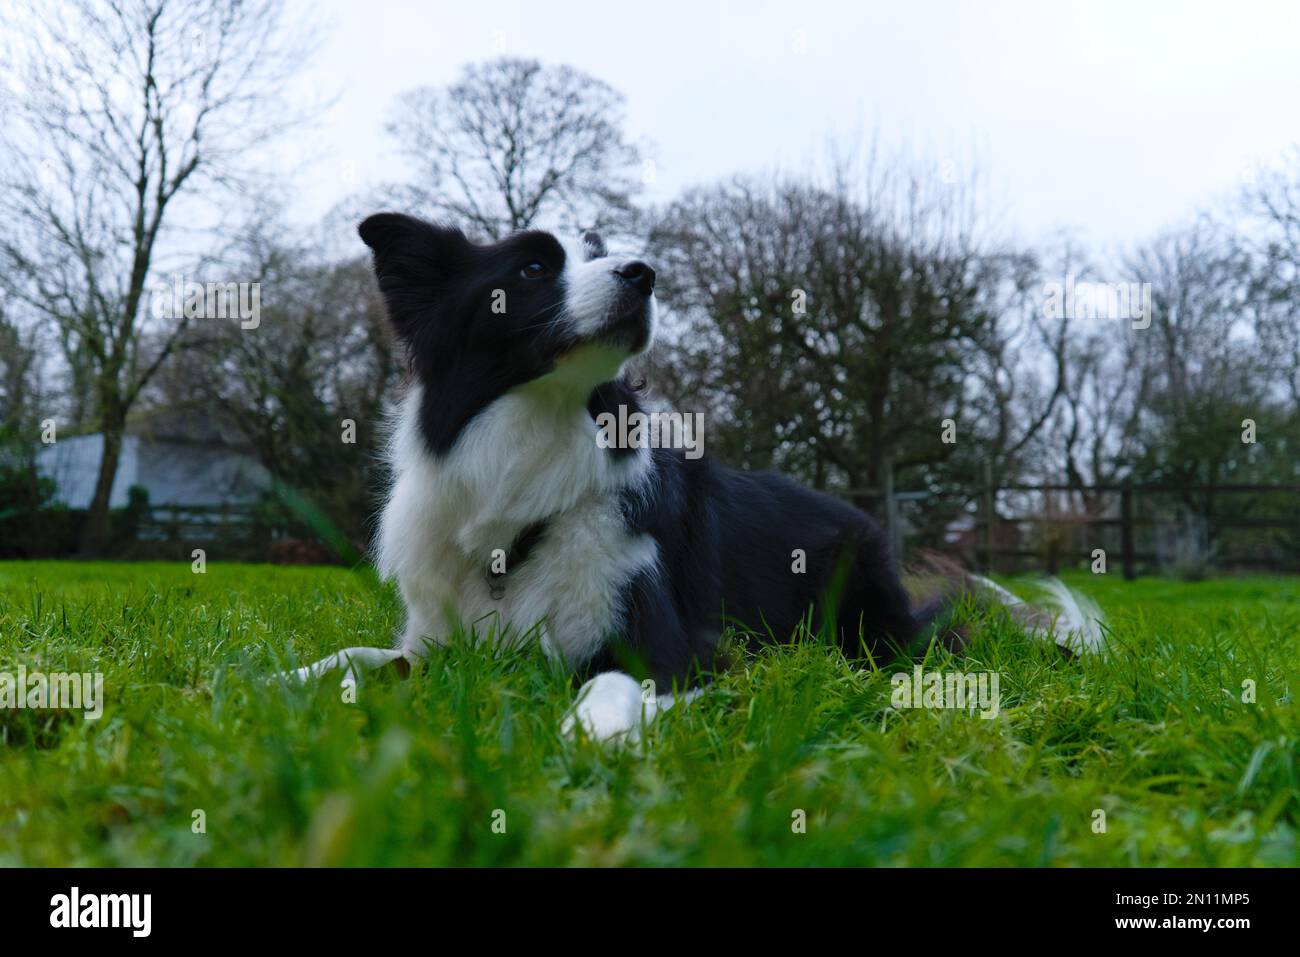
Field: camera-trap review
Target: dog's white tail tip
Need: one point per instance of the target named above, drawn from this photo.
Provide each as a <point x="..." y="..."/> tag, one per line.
<point x="1077" y="622"/>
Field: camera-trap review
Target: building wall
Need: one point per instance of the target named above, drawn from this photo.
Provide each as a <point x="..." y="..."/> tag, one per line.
<point x="73" y="463"/>
<point x="181" y="473"/>
<point x="188" y="474"/>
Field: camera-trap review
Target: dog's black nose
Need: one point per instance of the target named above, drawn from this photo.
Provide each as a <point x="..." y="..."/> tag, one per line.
<point x="638" y="275"/>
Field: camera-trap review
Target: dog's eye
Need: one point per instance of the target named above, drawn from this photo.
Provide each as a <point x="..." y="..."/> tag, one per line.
<point x="535" y="270"/>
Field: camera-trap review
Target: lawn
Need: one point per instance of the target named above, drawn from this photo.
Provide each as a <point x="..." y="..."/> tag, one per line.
<point x="793" y="758"/>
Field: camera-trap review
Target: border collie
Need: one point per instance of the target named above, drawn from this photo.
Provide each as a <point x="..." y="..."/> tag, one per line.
<point x="510" y="520"/>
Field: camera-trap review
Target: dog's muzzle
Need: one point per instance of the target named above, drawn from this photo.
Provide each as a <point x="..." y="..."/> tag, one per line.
<point x="631" y="321"/>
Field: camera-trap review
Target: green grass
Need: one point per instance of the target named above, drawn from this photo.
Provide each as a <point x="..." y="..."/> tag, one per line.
<point x="416" y="771"/>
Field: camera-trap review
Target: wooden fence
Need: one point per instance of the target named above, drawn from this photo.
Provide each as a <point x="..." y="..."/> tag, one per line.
<point x="246" y="532"/>
<point x="1132" y="517"/>
<point x="1003" y="527"/>
<point x="197" y="523"/>
<point x="1057" y="524"/>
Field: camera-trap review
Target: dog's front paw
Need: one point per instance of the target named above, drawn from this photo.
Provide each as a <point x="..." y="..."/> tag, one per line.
<point x="610" y="706"/>
<point x="353" y="661"/>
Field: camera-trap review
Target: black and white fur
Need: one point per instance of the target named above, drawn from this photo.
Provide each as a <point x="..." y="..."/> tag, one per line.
<point x="622" y="563"/>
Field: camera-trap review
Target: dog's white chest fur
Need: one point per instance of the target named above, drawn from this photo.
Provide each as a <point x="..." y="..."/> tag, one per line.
<point x="530" y="456"/>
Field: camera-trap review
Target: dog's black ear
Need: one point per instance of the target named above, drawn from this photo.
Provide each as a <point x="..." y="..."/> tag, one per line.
<point x="385" y="232"/>
<point x="413" y="261"/>
<point x="593" y="245"/>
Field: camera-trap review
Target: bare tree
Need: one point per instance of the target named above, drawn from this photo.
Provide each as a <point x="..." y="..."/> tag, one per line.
<point x="1200" y="367"/>
<point x="513" y="144"/>
<point x="304" y="391"/>
<point x="1103" y="401"/>
<point x="832" y="329"/>
<point x="118" y="111"/>
<point x="1273" y="206"/>
<point x="19" y="387"/>
<point x="1092" y="434"/>
<point x="22" y="490"/>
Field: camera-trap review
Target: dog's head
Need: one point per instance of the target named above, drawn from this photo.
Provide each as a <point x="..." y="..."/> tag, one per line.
<point x="528" y="308"/>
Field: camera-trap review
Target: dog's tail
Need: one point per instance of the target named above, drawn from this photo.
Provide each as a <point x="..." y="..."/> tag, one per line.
<point x="1057" y="613"/>
<point x="1072" y="619"/>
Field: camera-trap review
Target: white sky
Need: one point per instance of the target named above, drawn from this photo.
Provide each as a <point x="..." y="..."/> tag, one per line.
<point x="1112" y="118"/>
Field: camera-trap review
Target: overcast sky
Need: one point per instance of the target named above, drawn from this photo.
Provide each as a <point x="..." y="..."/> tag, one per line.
<point x="1111" y="118"/>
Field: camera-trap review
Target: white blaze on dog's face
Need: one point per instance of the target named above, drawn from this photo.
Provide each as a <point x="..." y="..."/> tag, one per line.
<point x="481" y="320"/>
<point x="606" y="298"/>
<point x="610" y="307"/>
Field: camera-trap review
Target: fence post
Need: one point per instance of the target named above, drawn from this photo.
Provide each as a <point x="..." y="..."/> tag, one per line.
<point x="1126" y="531"/>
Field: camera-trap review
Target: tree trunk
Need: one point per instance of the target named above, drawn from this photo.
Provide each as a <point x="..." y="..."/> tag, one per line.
<point x="94" y="535"/>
